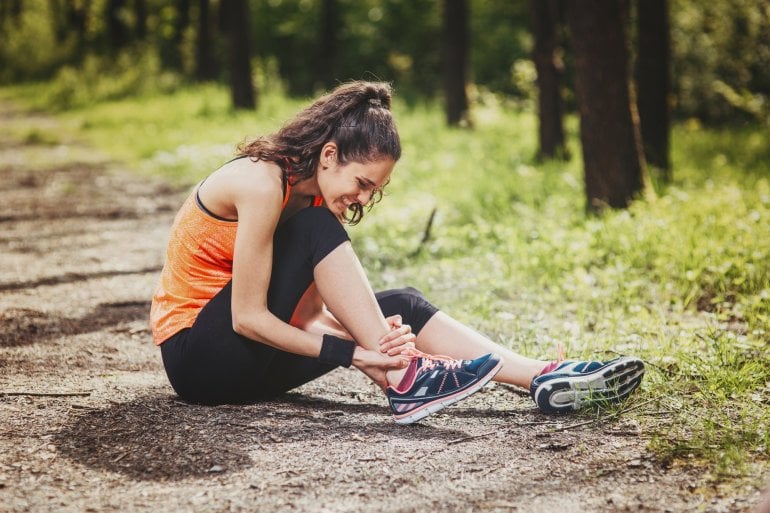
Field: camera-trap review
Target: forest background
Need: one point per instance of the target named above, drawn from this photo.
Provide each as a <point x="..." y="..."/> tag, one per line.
<point x="478" y="215"/>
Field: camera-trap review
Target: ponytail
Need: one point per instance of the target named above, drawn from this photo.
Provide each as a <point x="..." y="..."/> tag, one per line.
<point x="356" y="116"/>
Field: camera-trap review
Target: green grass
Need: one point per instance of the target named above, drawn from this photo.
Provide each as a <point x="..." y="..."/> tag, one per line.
<point x="681" y="280"/>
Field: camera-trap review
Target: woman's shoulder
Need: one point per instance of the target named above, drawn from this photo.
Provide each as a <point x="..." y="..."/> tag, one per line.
<point x="242" y="183"/>
<point x="245" y="175"/>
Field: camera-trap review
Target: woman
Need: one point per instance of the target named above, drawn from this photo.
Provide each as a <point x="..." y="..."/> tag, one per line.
<point x="262" y="292"/>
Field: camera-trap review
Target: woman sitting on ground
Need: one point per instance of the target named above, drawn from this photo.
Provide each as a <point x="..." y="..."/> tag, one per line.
<point x="261" y="290"/>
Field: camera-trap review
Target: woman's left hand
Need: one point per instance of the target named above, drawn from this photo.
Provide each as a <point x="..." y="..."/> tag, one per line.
<point x="398" y="339"/>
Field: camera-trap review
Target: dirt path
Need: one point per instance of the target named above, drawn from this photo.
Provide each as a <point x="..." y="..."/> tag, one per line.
<point x="81" y="243"/>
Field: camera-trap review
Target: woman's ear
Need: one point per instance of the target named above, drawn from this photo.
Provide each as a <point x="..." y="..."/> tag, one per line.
<point x="329" y="154"/>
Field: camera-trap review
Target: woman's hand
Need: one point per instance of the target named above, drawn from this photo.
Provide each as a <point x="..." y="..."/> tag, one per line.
<point x="398" y="339"/>
<point x="376" y="365"/>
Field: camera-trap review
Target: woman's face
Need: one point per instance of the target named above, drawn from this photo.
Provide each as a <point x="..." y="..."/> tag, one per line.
<point x="349" y="183"/>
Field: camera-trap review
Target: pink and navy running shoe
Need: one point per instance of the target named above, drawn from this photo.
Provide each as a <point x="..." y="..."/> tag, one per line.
<point x="573" y="385"/>
<point x="432" y="383"/>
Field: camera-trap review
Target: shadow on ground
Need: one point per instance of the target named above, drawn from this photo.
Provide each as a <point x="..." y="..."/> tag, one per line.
<point x="24" y="326"/>
<point x="162" y="438"/>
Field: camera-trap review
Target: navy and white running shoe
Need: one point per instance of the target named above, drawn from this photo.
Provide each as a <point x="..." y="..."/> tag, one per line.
<point x="432" y="383"/>
<point x="574" y="385"/>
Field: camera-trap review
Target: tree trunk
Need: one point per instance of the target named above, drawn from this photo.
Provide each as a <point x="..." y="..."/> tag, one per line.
<point x="15" y="11"/>
<point x="171" y="50"/>
<point x="118" y="31"/>
<point x="327" y="59"/>
<point x="550" y="71"/>
<point x="609" y="131"/>
<point x="456" y="51"/>
<point x="182" y="21"/>
<point x="653" y="82"/>
<point x="77" y="13"/>
<point x="58" y="20"/>
<point x="140" y="10"/>
<point x="235" y="20"/>
<point x="205" y="65"/>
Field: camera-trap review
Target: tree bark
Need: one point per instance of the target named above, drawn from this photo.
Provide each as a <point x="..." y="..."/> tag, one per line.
<point x="550" y="72"/>
<point x="653" y="82"/>
<point x="456" y="51"/>
<point x="235" y="20"/>
<point x="612" y="153"/>
<point x="140" y="10"/>
<point x="77" y="13"/>
<point x="205" y="64"/>
<point x="182" y="21"/>
<point x="172" y="48"/>
<point x="15" y="11"/>
<point x="327" y="60"/>
<point x="117" y="28"/>
<point x="58" y="20"/>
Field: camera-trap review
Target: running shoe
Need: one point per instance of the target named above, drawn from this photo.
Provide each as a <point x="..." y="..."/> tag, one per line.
<point x="573" y="385"/>
<point x="432" y="383"/>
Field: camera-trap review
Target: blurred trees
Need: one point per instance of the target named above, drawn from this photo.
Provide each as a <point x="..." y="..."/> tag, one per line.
<point x="609" y="131"/>
<point x="206" y="65"/>
<point x="653" y="81"/>
<point x="720" y="55"/>
<point x="720" y="51"/>
<point x="550" y="71"/>
<point x="455" y="40"/>
<point x="234" y="15"/>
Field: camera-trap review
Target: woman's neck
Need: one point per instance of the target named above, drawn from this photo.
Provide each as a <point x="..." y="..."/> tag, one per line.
<point x="308" y="187"/>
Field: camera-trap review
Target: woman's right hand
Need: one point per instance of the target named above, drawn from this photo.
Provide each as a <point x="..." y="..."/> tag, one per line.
<point x="376" y="365"/>
<point x="399" y="339"/>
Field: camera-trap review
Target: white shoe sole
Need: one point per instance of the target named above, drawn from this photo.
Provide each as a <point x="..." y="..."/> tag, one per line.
<point x="607" y="385"/>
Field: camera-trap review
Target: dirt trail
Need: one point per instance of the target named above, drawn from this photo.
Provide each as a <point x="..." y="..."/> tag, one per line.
<point x="89" y="423"/>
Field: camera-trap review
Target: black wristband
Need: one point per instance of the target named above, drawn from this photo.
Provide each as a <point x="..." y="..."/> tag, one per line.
<point x="337" y="351"/>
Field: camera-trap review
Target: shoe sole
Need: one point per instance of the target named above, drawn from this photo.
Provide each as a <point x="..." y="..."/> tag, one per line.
<point x="608" y="385"/>
<point x="438" y="405"/>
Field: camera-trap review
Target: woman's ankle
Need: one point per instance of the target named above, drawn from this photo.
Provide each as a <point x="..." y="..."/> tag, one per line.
<point x="394" y="377"/>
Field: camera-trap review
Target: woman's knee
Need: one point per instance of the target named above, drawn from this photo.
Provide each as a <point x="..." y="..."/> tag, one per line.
<point x="410" y="304"/>
<point x="315" y="230"/>
<point x="311" y="220"/>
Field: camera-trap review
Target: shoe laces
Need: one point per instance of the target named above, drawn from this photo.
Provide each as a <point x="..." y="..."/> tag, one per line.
<point x="431" y="361"/>
<point x="554" y="364"/>
<point x="561" y="353"/>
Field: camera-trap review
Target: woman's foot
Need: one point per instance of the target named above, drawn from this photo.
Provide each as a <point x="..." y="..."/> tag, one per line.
<point x="572" y="385"/>
<point x="432" y="383"/>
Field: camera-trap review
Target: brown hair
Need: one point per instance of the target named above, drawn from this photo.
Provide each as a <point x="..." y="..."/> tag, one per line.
<point x="356" y="116"/>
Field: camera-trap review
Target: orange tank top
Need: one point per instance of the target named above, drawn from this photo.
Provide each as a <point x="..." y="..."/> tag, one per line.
<point x="199" y="263"/>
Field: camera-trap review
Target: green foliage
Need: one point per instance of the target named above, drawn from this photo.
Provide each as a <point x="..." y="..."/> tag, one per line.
<point x="29" y="48"/>
<point x="720" y="50"/>
<point x="718" y="392"/>
<point x="99" y="79"/>
<point x="720" y="59"/>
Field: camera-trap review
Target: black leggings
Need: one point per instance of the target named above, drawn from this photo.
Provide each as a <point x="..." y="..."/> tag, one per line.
<point x="210" y="363"/>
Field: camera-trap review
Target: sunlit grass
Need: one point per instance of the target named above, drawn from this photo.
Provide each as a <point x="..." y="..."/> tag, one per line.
<point x="681" y="281"/>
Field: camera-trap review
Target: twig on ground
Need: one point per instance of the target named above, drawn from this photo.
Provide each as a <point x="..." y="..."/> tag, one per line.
<point x="48" y="394"/>
<point x="235" y="424"/>
<point x="78" y="406"/>
<point x="514" y="389"/>
<point x="426" y="233"/>
<point x="471" y="437"/>
<point x="576" y="425"/>
<point x="623" y="432"/>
